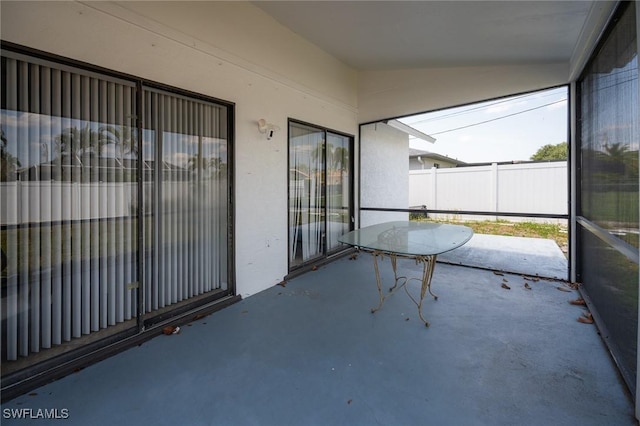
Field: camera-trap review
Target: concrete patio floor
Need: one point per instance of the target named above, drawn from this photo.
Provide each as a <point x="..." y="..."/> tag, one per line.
<point x="530" y="256"/>
<point x="311" y="353"/>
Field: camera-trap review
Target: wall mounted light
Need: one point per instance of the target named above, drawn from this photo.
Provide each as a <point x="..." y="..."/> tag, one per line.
<point x="267" y="128"/>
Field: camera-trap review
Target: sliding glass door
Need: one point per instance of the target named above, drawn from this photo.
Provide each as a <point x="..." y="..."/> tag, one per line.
<point x="338" y="186"/>
<point x="185" y="152"/>
<point x="107" y="221"/>
<point x="320" y="195"/>
<point x="68" y="195"/>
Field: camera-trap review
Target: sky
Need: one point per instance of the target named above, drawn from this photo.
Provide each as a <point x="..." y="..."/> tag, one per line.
<point x="41" y="131"/>
<point x="507" y="129"/>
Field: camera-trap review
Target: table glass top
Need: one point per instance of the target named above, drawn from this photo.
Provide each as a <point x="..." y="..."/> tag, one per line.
<point x="409" y="238"/>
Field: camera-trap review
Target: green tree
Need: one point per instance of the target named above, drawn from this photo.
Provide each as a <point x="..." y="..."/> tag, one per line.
<point x="124" y="137"/>
<point x="551" y="152"/>
<point x="197" y="161"/>
<point x="75" y="141"/>
<point x="616" y="151"/>
<point x="340" y="158"/>
<point x="8" y="163"/>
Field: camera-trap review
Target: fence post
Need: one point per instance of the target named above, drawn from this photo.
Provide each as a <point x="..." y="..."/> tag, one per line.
<point x="494" y="189"/>
<point x="434" y="188"/>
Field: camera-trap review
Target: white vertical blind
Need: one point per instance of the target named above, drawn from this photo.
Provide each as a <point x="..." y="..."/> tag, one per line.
<point x="185" y="144"/>
<point x="68" y="235"/>
<point x="306" y="193"/>
<point x="69" y="203"/>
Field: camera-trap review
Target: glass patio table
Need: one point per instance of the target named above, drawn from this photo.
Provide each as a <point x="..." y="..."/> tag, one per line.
<point x="421" y="241"/>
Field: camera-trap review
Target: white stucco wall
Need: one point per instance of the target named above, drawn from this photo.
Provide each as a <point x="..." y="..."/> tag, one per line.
<point x="384" y="181"/>
<point x="228" y="50"/>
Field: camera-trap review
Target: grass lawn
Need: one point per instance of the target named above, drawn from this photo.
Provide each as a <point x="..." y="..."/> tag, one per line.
<point x="558" y="233"/>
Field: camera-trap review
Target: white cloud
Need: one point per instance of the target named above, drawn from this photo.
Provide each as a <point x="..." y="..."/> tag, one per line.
<point x="179" y="159"/>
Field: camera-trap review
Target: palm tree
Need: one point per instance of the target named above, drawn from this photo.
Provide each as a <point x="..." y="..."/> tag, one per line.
<point x="198" y="162"/>
<point x="616" y="154"/>
<point x="80" y="144"/>
<point x="8" y="163"/>
<point x="75" y="141"/>
<point x="318" y="155"/>
<point x="340" y="158"/>
<point x="318" y="152"/>
<point x="616" y="151"/>
<point x="123" y="136"/>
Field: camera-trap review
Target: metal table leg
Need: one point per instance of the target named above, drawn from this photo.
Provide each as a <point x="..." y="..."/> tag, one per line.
<point x="429" y="265"/>
<point x="428" y="262"/>
<point x="398" y="280"/>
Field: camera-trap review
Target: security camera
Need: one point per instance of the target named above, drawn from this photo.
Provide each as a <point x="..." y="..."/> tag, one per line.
<point x="267" y="128"/>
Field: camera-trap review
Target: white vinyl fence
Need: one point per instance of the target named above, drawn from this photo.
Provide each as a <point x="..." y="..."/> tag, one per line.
<point x="110" y="200"/>
<point x="539" y="188"/>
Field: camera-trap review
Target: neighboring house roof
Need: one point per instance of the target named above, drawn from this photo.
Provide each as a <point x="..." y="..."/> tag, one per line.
<point x="415" y="153"/>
